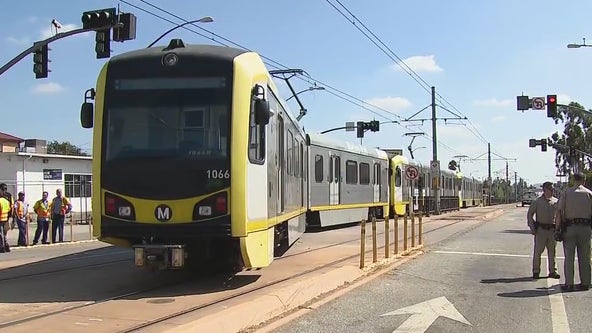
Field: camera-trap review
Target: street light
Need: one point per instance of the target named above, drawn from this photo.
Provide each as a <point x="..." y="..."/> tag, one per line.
<point x="577" y="46"/>
<point x="308" y="89"/>
<point x="206" y="19"/>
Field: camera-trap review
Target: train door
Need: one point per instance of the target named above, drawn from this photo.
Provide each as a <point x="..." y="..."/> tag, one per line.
<point x="376" y="183"/>
<point x="334" y="180"/>
<point x="281" y="164"/>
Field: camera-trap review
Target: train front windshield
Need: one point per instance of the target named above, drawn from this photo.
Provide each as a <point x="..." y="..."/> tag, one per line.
<point x="164" y="133"/>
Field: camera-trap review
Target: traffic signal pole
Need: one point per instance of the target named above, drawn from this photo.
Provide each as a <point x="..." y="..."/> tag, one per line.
<point x="43" y="43"/>
<point x="435" y="153"/>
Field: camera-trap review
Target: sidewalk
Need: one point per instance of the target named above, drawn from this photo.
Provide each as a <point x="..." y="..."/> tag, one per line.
<point x="76" y="232"/>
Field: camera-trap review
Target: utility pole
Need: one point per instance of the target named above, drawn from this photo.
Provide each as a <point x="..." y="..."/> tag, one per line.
<point x="435" y="151"/>
<point x="507" y="191"/>
<point x="435" y="164"/>
<point x="489" y="183"/>
<point x="516" y="186"/>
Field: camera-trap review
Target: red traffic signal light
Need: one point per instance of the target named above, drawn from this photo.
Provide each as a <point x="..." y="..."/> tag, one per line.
<point x="552" y="106"/>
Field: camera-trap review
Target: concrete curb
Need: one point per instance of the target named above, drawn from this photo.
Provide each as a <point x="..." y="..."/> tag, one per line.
<point x="24" y="248"/>
<point x="295" y="296"/>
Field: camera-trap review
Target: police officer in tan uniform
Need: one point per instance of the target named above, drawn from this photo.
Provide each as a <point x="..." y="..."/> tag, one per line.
<point x="574" y="220"/>
<point x="543" y="229"/>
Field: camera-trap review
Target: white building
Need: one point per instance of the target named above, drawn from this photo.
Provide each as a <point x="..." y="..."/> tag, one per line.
<point x="29" y="169"/>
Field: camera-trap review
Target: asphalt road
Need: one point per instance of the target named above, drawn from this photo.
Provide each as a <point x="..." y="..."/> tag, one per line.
<point x="474" y="281"/>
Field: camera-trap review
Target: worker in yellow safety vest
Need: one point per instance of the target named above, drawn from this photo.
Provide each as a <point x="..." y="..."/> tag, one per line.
<point x="5" y="209"/>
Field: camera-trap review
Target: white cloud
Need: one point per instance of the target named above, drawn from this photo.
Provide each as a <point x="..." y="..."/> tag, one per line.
<point x="564" y="99"/>
<point x="48" y="88"/>
<point x="494" y="102"/>
<point x="51" y="31"/>
<point x="19" y="41"/>
<point x="392" y="104"/>
<point x="419" y="64"/>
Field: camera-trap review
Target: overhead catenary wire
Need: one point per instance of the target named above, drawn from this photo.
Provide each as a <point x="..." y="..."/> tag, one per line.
<point x="359" y="24"/>
<point x="374" y="109"/>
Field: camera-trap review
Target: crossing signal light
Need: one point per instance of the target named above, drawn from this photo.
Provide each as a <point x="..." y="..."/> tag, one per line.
<point x="103" y="45"/>
<point x="40" y="62"/>
<point x="552" y="106"/>
<point x="101" y="18"/>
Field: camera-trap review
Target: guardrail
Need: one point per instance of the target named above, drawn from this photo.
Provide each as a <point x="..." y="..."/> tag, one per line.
<point x="409" y="226"/>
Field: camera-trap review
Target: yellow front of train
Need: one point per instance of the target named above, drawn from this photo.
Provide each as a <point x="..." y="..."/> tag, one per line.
<point x="170" y="145"/>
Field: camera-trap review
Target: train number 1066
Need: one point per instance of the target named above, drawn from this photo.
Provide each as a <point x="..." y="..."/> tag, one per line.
<point x="218" y="174"/>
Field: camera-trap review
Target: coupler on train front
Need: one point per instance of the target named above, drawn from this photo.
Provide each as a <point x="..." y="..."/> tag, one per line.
<point x="160" y="256"/>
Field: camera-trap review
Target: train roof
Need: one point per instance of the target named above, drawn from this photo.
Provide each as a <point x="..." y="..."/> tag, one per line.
<point x="317" y="139"/>
<point x="202" y="50"/>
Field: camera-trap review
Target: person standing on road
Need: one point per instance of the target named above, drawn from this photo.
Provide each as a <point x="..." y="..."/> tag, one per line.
<point x="43" y="212"/>
<point x="574" y="216"/>
<point x="21" y="215"/>
<point x="60" y="207"/>
<point x="543" y="229"/>
<point x="5" y="209"/>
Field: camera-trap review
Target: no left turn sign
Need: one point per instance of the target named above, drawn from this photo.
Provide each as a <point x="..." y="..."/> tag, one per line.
<point x="411" y="172"/>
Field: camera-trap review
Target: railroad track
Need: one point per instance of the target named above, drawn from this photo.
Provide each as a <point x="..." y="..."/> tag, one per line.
<point x="191" y="278"/>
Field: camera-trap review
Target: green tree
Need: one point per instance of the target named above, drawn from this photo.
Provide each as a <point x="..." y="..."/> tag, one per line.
<point x="64" y="148"/>
<point x="577" y="133"/>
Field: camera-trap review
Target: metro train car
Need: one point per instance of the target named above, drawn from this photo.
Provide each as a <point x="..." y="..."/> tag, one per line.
<point x="197" y="160"/>
<point x="347" y="182"/>
<point x="456" y="191"/>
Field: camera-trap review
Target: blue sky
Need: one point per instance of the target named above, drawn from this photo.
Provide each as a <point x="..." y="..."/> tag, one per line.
<point x="478" y="54"/>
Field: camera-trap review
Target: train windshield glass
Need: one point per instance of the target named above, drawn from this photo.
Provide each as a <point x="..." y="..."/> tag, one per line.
<point x="158" y="120"/>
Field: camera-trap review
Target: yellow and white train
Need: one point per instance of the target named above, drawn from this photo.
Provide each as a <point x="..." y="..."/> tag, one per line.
<point x="196" y="159"/>
<point x="456" y="190"/>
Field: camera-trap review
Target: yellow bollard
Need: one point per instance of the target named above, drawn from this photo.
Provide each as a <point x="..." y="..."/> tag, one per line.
<point x="405" y="231"/>
<point x="362" y="242"/>
<point x="420" y="229"/>
<point x="396" y="233"/>
<point x="374" y="250"/>
<point x="413" y="229"/>
<point x="387" y="223"/>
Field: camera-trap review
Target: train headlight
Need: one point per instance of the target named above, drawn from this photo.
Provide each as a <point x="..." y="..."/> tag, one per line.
<point x="204" y="210"/>
<point x="125" y="211"/>
<point x="211" y="207"/>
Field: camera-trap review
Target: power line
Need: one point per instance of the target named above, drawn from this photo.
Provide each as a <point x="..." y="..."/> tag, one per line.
<point x="414" y="75"/>
<point x="275" y="64"/>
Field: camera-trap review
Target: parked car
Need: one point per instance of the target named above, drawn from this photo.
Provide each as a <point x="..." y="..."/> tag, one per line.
<point x="528" y="197"/>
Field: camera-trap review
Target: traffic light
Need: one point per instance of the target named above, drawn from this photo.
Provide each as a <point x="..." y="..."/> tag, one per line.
<point x="100" y="18"/>
<point x="103" y="45"/>
<point x="532" y="143"/>
<point x="361" y="126"/>
<point x="40" y="62"/>
<point x="126" y="30"/>
<point x="522" y="103"/>
<point x="543" y="144"/>
<point x="552" y="106"/>
<point x="374" y="126"/>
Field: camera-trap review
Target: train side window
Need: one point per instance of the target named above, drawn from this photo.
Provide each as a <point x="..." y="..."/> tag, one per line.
<point x="398" y="176"/>
<point x="289" y="153"/>
<point x="257" y="131"/>
<point x="365" y="173"/>
<point x="318" y="168"/>
<point x="351" y="172"/>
